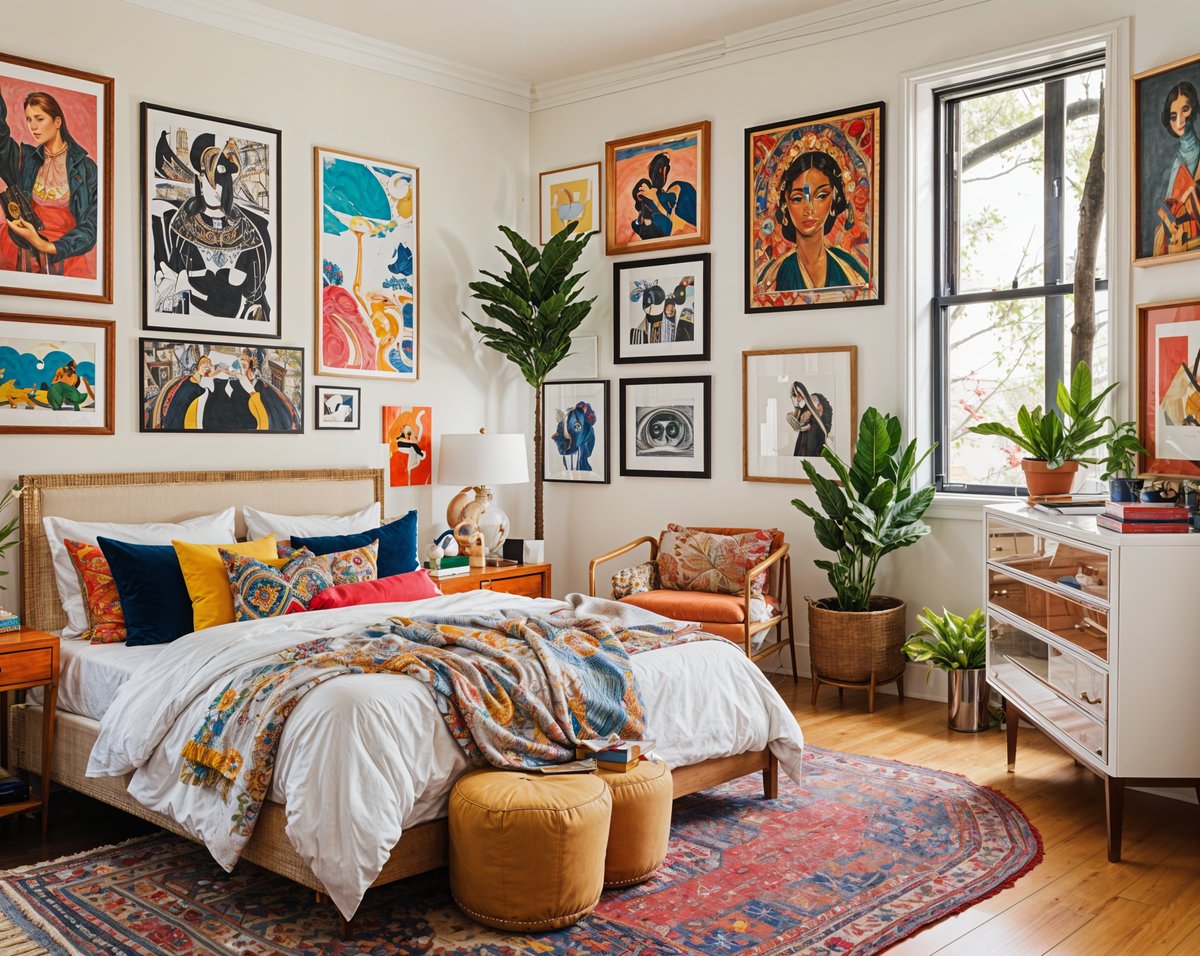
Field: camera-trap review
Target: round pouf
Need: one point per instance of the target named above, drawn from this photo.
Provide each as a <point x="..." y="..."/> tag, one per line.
<point x="527" y="850"/>
<point x="641" y="822"/>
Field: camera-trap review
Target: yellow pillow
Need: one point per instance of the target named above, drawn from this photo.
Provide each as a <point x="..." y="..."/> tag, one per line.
<point x="206" y="578"/>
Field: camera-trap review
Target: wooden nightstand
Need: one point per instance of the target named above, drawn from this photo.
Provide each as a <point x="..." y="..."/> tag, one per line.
<point x="29" y="658"/>
<point x="528" y="580"/>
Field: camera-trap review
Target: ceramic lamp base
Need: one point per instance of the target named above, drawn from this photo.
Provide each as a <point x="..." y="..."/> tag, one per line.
<point x="474" y="511"/>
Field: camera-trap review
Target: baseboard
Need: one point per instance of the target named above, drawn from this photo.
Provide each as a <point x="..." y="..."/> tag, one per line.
<point x="921" y="681"/>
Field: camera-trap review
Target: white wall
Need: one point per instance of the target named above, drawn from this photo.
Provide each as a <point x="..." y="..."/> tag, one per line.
<point x="474" y="162"/>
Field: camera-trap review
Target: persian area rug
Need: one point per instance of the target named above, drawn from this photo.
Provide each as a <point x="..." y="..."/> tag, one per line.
<point x="865" y="853"/>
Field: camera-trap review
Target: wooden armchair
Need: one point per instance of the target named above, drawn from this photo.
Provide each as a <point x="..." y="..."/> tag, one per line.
<point x="727" y="615"/>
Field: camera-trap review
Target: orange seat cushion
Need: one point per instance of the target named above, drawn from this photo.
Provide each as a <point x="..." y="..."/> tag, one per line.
<point x="698" y="606"/>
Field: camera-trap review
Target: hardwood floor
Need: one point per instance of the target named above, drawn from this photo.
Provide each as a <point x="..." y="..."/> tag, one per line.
<point x="1075" y="902"/>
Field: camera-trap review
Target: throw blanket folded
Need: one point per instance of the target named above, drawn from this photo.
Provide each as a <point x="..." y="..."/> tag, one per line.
<point x="516" y="691"/>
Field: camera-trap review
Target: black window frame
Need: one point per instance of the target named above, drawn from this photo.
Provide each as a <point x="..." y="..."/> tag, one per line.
<point x="1053" y="290"/>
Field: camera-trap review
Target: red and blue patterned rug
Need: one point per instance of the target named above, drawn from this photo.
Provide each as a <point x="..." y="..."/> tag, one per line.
<point x="865" y="853"/>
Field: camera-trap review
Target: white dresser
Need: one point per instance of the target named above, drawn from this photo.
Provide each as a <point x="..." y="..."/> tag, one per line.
<point x="1094" y="637"/>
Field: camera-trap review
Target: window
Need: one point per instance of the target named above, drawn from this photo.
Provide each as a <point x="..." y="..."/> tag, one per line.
<point x="1014" y="155"/>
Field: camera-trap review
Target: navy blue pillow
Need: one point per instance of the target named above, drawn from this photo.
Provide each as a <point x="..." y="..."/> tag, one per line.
<point x="397" y="544"/>
<point x="154" y="596"/>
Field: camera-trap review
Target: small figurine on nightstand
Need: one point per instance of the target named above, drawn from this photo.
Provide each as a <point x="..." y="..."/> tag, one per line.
<point x="477" y="551"/>
<point x="435" y="555"/>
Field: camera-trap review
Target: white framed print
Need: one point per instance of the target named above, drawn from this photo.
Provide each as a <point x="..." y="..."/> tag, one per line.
<point x="583" y="361"/>
<point x="576" y="441"/>
<point x="661" y="309"/>
<point x="570" y="194"/>
<point x="666" y="427"/>
<point x="338" y="407"/>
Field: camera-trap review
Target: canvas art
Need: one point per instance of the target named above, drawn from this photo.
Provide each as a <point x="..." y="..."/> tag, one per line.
<point x="661" y="309"/>
<point x="570" y="195"/>
<point x="814" y="208"/>
<point x="337" y="407"/>
<point x="56" y="376"/>
<point x="657" y="190"/>
<point x="56" y="168"/>
<point x="408" y="435"/>
<point x="577" y="430"/>
<point x="1168" y="386"/>
<point x="1166" y="158"/>
<point x="367" y="266"/>
<point x="221" y="387"/>
<point x="795" y="403"/>
<point x="666" y="427"/>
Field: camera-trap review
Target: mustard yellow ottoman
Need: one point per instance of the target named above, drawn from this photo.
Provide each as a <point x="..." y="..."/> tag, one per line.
<point x="526" y="849"/>
<point x="641" y="822"/>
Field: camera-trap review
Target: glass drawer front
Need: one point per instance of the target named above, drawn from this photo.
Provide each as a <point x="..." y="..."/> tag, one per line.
<point x="1011" y="647"/>
<point x="1083" y="625"/>
<point x="1048" y="558"/>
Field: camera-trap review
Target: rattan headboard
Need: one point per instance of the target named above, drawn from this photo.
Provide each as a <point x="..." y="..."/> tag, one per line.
<point x="133" y="497"/>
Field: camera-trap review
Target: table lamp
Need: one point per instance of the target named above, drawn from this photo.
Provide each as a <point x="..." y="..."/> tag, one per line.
<point x="479" y="461"/>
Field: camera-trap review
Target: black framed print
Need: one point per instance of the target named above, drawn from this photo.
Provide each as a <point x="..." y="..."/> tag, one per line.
<point x="666" y="427"/>
<point x="576" y="440"/>
<point x="338" y="407"/>
<point x="661" y="309"/>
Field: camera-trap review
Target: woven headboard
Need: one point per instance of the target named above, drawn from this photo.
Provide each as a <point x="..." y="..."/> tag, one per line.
<point x="135" y="497"/>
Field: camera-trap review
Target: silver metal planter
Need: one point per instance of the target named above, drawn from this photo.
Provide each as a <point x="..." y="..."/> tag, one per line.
<point x="967" y="701"/>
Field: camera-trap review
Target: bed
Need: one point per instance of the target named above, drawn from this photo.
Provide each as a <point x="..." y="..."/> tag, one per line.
<point x="752" y="735"/>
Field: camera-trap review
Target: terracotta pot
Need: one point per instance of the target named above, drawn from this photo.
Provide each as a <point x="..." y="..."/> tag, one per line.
<point x="1041" y="480"/>
<point x="854" y="646"/>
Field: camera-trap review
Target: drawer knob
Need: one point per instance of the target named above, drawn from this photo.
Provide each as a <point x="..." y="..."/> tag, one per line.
<point x="1003" y="592"/>
<point x="1088" y="700"/>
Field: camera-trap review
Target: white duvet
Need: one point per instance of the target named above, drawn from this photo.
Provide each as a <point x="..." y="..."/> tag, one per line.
<point x="366" y="755"/>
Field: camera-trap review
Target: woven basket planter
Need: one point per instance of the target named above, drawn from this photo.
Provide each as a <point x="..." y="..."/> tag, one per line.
<point x="859" y="649"/>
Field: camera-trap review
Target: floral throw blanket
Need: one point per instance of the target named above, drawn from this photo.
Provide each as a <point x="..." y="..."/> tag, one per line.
<point x="515" y="691"/>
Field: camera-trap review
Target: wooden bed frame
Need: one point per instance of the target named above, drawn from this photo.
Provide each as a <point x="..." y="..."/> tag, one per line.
<point x="174" y="496"/>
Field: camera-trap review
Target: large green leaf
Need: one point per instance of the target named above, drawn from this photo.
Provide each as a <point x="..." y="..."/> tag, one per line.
<point x="874" y="446"/>
<point x="525" y="249"/>
<point x="832" y="498"/>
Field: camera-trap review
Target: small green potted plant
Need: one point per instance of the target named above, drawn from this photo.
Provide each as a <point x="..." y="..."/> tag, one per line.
<point x="958" y="645"/>
<point x="1057" y="441"/>
<point x="1119" y="464"/>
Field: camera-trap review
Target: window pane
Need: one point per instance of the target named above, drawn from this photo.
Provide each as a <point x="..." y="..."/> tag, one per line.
<point x="1083" y="92"/>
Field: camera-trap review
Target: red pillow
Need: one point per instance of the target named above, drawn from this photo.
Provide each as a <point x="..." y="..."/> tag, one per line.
<point x="410" y="586"/>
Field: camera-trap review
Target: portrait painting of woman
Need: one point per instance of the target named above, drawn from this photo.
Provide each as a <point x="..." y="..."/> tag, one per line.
<point x="55" y="181"/>
<point x="814" y="204"/>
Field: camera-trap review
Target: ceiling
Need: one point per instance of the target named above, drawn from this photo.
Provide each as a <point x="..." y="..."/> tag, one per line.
<point x="543" y="40"/>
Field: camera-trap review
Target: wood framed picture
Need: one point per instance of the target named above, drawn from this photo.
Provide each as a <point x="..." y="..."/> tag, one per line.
<point x="661" y="309"/>
<point x="338" y="407"/>
<point x="221" y="387"/>
<point x="56" y="181"/>
<point x="571" y="194"/>
<point x="666" y="427"/>
<point x="367" y="269"/>
<point x="210" y="225"/>
<point x="795" y="402"/>
<point x="576" y="441"/>
<point x="56" y="376"/>
<point x="408" y="436"/>
<point x="814" y="211"/>
<point x="1166" y="163"/>
<point x="1168" y="388"/>
<point x="657" y="192"/>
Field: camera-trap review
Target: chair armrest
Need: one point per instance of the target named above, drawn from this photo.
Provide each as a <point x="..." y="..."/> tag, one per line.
<point x="760" y="568"/>
<point x="625" y="548"/>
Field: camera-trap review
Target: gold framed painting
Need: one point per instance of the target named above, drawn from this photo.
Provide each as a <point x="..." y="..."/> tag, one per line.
<point x="1168" y="388"/>
<point x="570" y="194"/>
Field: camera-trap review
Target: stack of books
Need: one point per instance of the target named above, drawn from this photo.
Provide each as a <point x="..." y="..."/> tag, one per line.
<point x="1067" y="504"/>
<point x="1145" y="517"/>
<point x="614" y="754"/>
<point x="450" y="566"/>
<point x="8" y="621"/>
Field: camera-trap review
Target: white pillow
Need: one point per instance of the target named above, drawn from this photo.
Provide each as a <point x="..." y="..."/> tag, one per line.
<point x="259" y="524"/>
<point x="207" y="529"/>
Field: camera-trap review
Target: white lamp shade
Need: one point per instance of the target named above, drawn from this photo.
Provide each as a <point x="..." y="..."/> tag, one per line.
<point x="483" y="460"/>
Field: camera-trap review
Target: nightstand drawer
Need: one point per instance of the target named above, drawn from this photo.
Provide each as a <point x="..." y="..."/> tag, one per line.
<point x="526" y="585"/>
<point x="22" y="668"/>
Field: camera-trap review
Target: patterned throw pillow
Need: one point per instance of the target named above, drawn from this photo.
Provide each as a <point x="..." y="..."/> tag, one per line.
<point x="635" y="580"/>
<point x="691" y="560"/>
<point x="346" y="567"/>
<point x="101" y="603"/>
<point x="261" y="591"/>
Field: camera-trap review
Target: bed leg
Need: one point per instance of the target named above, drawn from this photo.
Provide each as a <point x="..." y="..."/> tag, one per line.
<point x="347" y="928"/>
<point x="320" y="898"/>
<point x="771" y="777"/>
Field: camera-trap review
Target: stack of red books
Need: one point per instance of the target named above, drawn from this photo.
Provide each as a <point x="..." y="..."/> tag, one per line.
<point x="1144" y="517"/>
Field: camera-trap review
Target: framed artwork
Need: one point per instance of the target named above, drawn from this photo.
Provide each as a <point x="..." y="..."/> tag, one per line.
<point x="583" y="361"/>
<point x="56" y="376"/>
<point x="657" y="190"/>
<point x="814" y="211"/>
<point x="666" y="429"/>
<point x="408" y="435"/>
<point x="56" y="176"/>
<point x="210" y="225"/>
<point x="367" y="266"/>
<point x="1168" y="388"/>
<point x="660" y="309"/>
<point x="337" y="407"/>
<point x="577" y="432"/>
<point x="221" y="387"/>
<point x="795" y="402"/>
<point x="568" y="195"/>
<point x="1166" y="163"/>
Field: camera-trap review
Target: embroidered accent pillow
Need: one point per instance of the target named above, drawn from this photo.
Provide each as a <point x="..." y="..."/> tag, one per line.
<point x="635" y="580"/>
<point x="345" y="567"/>
<point x="260" y="590"/>
<point x="691" y="560"/>
<point x="101" y="602"/>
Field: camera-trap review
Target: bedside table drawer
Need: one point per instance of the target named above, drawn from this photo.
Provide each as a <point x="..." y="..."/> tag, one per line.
<point x="20" y="668"/>
<point x="526" y="585"/>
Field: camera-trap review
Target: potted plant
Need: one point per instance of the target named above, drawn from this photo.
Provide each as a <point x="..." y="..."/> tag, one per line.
<point x="538" y="306"/>
<point x="1056" y="441"/>
<point x="958" y="645"/>
<point x="855" y="636"/>
<point x="1119" y="463"/>
<point x="8" y="540"/>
